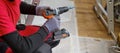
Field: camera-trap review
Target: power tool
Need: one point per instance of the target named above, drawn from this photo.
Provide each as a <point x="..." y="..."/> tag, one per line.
<point x="63" y="33"/>
<point x="52" y="12"/>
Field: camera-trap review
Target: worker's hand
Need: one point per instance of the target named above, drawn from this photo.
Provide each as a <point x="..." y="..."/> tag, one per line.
<point x="41" y="11"/>
<point x="53" y="24"/>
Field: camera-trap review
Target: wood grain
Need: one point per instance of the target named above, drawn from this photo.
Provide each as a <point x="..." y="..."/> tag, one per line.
<point x="88" y="23"/>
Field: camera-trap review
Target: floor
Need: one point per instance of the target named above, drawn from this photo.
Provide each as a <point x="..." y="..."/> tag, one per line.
<point x="82" y="22"/>
<point x="93" y="35"/>
<point x="68" y="21"/>
<point x="88" y="24"/>
<point x="95" y="45"/>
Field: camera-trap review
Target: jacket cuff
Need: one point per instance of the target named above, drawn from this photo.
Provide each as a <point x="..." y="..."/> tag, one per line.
<point x="45" y="28"/>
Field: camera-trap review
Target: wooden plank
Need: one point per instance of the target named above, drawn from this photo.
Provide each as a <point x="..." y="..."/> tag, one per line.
<point x="88" y="24"/>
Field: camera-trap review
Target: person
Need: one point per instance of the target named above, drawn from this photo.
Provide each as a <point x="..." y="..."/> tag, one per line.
<point x="15" y="39"/>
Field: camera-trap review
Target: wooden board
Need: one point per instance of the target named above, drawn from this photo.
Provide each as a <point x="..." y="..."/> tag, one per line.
<point x="88" y="23"/>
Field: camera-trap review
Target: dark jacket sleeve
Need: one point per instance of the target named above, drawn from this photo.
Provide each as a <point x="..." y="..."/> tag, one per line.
<point x="21" y="44"/>
<point x="27" y="8"/>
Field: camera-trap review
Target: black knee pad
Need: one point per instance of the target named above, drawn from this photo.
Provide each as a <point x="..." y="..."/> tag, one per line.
<point x="3" y="47"/>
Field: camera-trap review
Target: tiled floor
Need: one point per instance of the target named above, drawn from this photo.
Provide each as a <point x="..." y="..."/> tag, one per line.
<point x="95" y="45"/>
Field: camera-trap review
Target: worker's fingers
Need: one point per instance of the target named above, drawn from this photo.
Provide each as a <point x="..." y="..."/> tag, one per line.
<point x="57" y="17"/>
<point x="41" y="10"/>
<point x="53" y="24"/>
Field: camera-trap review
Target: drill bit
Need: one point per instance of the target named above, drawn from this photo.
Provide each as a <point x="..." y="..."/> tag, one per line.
<point x="71" y="7"/>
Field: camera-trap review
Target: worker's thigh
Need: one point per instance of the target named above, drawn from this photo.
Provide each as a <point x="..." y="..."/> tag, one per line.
<point x="45" y="48"/>
<point x="3" y="47"/>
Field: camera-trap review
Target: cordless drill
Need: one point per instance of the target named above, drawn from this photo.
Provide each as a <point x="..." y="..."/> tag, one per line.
<point x="63" y="33"/>
<point x="52" y="12"/>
